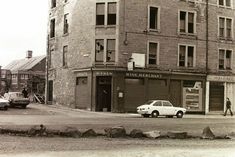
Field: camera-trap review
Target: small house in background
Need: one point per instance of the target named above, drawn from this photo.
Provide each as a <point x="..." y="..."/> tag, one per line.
<point x="25" y="73"/>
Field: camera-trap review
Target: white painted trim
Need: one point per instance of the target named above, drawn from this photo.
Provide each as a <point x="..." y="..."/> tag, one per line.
<point x="224" y="6"/>
<point x="225" y="26"/>
<point x="158" y="17"/>
<point x="225" y="58"/>
<point x="157" y="53"/>
<point x="207" y="99"/>
<point x="186" y="54"/>
<point x="186" y="21"/>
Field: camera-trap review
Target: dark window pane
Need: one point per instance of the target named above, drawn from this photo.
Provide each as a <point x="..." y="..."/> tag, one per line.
<point x="111" y="19"/>
<point x="99" y="50"/>
<point x="153" y="18"/>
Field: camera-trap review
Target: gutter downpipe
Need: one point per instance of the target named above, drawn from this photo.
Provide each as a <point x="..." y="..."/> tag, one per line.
<point x="207" y="54"/>
<point x="91" y="88"/>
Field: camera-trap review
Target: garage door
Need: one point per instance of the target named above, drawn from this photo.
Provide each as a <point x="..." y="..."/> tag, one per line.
<point x="157" y="89"/>
<point x="135" y="94"/>
<point x="216" y="97"/>
<point x="82" y="98"/>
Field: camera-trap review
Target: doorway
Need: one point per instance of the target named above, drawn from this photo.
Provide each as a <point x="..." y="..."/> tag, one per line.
<point x="103" y="94"/>
<point x="216" y="96"/>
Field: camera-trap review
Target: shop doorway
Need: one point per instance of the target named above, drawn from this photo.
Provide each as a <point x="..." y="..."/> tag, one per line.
<point x="103" y="94"/>
<point x="50" y="90"/>
<point x="216" y="96"/>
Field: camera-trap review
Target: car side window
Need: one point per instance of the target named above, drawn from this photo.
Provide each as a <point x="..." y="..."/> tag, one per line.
<point x="166" y="103"/>
<point x="158" y="103"/>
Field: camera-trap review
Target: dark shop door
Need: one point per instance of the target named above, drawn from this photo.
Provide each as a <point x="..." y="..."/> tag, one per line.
<point x="103" y="93"/>
<point x="216" y="97"/>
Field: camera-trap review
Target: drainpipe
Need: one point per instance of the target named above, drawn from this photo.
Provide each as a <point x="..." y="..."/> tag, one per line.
<point x="207" y="87"/>
<point x="91" y="87"/>
<point x="47" y="87"/>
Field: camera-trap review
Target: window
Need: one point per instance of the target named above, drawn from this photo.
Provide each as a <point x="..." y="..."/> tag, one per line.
<point x="111" y="13"/>
<point x="187" y="22"/>
<point x="65" y="1"/>
<point x="65" y="53"/>
<point x="99" y="50"/>
<point x="66" y="24"/>
<point x="110" y="56"/>
<point x="101" y="14"/>
<point x="186" y="56"/>
<point x="225" y="59"/>
<point x="154" y="18"/>
<point x="152" y="54"/>
<point x="166" y="103"/>
<point x="224" y="3"/>
<point x="52" y="28"/>
<point x="225" y="28"/>
<point x="100" y="7"/>
<point x="53" y="3"/>
<point x="158" y="103"/>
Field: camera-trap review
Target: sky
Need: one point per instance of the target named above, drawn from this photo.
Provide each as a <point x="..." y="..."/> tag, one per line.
<point x="23" y="27"/>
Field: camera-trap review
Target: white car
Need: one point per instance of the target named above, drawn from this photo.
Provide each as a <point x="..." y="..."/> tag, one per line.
<point x="157" y="108"/>
<point x="4" y="104"/>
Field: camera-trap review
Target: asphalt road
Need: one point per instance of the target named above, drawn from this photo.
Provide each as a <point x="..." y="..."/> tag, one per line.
<point x="56" y="117"/>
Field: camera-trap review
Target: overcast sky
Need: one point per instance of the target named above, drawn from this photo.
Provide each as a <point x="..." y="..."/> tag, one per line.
<point x="23" y="27"/>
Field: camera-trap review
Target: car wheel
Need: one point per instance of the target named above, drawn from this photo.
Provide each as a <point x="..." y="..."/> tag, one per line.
<point x="24" y="106"/>
<point x="179" y="114"/>
<point x="5" y="108"/>
<point x="145" y="115"/>
<point x="155" y="114"/>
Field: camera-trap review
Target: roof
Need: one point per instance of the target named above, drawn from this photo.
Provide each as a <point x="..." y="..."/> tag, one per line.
<point x="24" y="64"/>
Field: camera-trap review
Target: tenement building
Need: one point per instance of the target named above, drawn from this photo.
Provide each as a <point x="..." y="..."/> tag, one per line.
<point x="114" y="55"/>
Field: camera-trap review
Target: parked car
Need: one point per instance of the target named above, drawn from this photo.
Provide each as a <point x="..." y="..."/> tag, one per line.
<point x="4" y="104"/>
<point x="16" y="99"/>
<point x="157" y="108"/>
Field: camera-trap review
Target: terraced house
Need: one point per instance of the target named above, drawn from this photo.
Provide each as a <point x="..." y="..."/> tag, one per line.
<point x="113" y="55"/>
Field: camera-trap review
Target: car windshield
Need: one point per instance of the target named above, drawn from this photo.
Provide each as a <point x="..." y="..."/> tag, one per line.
<point x="149" y="102"/>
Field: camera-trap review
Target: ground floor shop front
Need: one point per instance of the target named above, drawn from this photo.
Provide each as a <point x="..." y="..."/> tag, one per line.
<point x="218" y="88"/>
<point x="123" y="91"/>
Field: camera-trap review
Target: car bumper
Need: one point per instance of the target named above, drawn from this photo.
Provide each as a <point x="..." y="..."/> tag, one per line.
<point x="142" y="112"/>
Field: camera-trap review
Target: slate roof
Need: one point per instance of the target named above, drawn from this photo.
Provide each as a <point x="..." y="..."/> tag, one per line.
<point x="24" y="64"/>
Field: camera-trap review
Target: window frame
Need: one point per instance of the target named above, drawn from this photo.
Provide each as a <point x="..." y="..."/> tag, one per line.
<point x="52" y="29"/>
<point x="186" y="22"/>
<point x="225" y="28"/>
<point x="65" y="56"/>
<point x="225" y="59"/>
<point x="157" y="53"/>
<point x="224" y="4"/>
<point x="106" y="14"/>
<point x="66" y="24"/>
<point x="186" y="55"/>
<point x="158" y="17"/>
<point x="53" y="4"/>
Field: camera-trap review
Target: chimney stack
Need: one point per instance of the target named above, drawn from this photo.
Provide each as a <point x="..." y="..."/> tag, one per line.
<point x="29" y="54"/>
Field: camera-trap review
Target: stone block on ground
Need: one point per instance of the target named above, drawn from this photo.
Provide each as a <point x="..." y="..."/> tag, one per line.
<point x="115" y="132"/>
<point x="177" y="134"/>
<point x="231" y="136"/>
<point x="70" y="132"/>
<point x="38" y="130"/>
<point x="207" y="133"/>
<point x="136" y="133"/>
<point x="89" y="133"/>
<point x="152" y="134"/>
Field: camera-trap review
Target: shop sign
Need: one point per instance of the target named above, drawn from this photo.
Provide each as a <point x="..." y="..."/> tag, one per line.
<point x="104" y="73"/>
<point x="147" y="75"/>
<point x="84" y="74"/>
<point x="221" y="78"/>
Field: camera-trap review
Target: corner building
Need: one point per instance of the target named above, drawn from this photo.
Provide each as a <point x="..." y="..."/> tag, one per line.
<point x="114" y="55"/>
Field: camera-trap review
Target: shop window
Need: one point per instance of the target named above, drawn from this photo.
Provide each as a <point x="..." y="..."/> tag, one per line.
<point x="134" y="81"/>
<point x="52" y="28"/>
<point x="110" y="55"/>
<point x="111" y="13"/>
<point x="187" y="22"/>
<point x="186" y="56"/>
<point x="65" y="56"/>
<point x="99" y="50"/>
<point x="225" y="28"/>
<point x="225" y="59"/>
<point x="154" y="18"/>
<point x="152" y="54"/>
<point x="100" y="7"/>
<point x="66" y="24"/>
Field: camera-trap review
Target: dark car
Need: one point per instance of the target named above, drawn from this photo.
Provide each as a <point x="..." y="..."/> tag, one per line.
<point x="16" y="99"/>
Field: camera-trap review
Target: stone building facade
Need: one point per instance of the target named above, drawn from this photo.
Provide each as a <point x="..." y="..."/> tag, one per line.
<point x="114" y="55"/>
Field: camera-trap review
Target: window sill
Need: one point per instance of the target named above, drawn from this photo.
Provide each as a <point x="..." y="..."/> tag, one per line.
<point x="225" y="7"/>
<point x="52" y="38"/>
<point x="154" y="30"/>
<point x="105" y="26"/>
<point x="225" y="39"/>
<point x="187" y="34"/>
<point x="65" y="34"/>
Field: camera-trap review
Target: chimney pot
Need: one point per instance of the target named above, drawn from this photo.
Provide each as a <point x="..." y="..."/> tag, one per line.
<point x="29" y="54"/>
